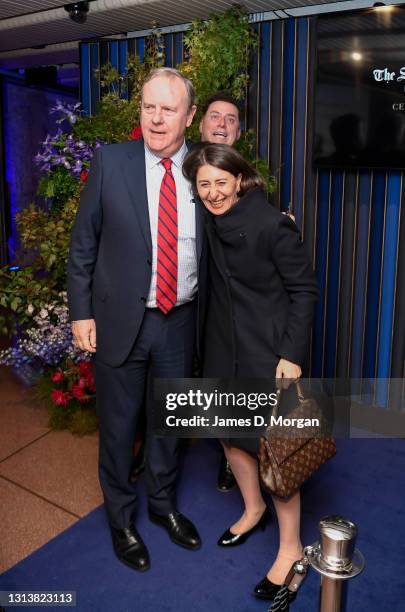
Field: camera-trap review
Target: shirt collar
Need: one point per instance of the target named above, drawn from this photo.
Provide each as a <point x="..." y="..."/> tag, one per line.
<point x="153" y="160"/>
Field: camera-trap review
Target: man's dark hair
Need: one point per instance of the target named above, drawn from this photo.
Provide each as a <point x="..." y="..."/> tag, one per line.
<point x="220" y="96"/>
<point x="224" y="157"/>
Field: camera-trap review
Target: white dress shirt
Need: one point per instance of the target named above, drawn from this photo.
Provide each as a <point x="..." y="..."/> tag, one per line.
<point x="186" y="224"/>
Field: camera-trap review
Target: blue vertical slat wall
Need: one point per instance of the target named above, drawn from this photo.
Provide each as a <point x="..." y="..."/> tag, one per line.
<point x="300" y="114"/>
<point x="350" y="221"/>
<point x="264" y="97"/>
<point x="288" y="112"/>
<point x="333" y="272"/>
<point x="390" y="255"/>
<point x="321" y="268"/>
<point x="375" y="264"/>
<point x="358" y="295"/>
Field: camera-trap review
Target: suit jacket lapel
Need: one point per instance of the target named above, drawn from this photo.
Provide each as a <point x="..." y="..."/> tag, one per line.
<point x="135" y="176"/>
<point x="199" y="218"/>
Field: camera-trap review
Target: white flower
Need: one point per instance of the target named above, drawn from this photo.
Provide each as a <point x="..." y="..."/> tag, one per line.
<point x="30" y="309"/>
<point x="43" y="313"/>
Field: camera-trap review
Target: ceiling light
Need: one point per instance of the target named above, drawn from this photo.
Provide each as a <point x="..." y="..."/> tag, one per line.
<point x="382" y="7"/>
<point x="356" y="56"/>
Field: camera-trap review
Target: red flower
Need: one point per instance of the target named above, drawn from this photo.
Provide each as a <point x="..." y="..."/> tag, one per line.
<point x="60" y="398"/>
<point x="82" y="383"/>
<point x="57" y="376"/>
<point x="90" y="383"/>
<point x="83" y="176"/>
<point x="79" y="393"/>
<point x="85" y="368"/>
<point x="135" y="134"/>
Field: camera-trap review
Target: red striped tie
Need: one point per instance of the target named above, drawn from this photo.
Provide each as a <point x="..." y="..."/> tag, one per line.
<point x="166" y="282"/>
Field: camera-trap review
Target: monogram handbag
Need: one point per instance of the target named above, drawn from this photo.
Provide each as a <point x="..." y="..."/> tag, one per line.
<point x="287" y="461"/>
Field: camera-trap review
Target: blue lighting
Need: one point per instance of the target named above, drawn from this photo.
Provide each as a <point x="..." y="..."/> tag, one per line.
<point x="12" y="172"/>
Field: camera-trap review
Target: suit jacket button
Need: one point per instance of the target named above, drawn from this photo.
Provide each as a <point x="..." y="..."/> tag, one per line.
<point x="143" y="299"/>
<point x="149" y="261"/>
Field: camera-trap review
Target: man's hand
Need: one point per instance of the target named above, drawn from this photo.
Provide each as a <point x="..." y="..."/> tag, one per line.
<point x="288" y="371"/>
<point x="289" y="214"/>
<point x="84" y="334"/>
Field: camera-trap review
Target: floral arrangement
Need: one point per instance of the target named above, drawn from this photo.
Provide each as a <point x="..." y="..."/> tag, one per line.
<point x="71" y="395"/>
<point x="64" y="158"/>
<point x="48" y="341"/>
<point x="33" y="297"/>
<point x="67" y="380"/>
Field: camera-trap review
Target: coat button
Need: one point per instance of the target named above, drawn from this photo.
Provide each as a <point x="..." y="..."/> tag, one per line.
<point x="143" y="299"/>
<point x="149" y="261"/>
<point x="242" y="234"/>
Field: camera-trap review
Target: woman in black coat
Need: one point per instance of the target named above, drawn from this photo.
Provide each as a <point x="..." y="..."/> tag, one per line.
<point x="262" y="294"/>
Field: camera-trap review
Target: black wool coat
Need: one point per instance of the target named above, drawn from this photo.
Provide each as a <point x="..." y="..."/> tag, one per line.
<point x="262" y="290"/>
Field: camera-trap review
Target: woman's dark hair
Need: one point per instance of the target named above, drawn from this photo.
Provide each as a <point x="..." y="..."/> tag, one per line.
<point x="224" y="157"/>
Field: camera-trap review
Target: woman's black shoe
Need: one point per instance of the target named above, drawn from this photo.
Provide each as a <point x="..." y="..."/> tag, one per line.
<point x="266" y="589"/>
<point x="232" y="539"/>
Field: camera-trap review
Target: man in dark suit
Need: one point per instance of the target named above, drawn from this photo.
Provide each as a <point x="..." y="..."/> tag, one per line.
<point x="136" y="260"/>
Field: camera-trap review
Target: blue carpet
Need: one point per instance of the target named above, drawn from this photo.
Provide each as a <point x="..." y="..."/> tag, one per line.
<point x="365" y="482"/>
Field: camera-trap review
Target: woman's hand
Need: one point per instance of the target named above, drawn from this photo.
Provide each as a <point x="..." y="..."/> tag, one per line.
<point x="288" y="371"/>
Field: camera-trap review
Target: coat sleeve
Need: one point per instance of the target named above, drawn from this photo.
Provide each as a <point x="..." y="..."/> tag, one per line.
<point x="84" y="244"/>
<point x="293" y="264"/>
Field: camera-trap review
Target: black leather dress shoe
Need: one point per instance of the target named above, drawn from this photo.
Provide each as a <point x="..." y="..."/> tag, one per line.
<point x="266" y="589"/>
<point x="180" y="529"/>
<point x="130" y="549"/>
<point x="233" y="539"/>
<point x="226" y="479"/>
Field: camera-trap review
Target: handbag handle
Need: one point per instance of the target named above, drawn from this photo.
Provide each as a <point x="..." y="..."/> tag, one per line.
<point x="300" y="396"/>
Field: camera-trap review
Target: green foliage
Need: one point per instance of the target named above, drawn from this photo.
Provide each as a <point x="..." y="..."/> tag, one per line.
<point x="58" y="185"/>
<point x="83" y="422"/>
<point x="245" y="146"/>
<point x="46" y="236"/>
<point x="19" y="290"/>
<point x="217" y="56"/>
<point x="80" y="423"/>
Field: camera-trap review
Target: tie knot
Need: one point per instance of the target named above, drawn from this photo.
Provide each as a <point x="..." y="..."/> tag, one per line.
<point x="167" y="163"/>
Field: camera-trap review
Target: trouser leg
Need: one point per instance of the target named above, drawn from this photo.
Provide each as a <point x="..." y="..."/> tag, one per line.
<point x="171" y="357"/>
<point x="120" y="395"/>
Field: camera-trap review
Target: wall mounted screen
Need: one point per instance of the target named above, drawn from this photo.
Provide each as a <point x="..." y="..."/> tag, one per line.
<point x="360" y="90"/>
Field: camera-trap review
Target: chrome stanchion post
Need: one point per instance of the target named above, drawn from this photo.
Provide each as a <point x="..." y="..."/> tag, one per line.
<point x="336" y="559"/>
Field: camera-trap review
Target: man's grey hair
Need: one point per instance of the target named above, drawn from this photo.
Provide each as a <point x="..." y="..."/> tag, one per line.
<point x="171" y="73"/>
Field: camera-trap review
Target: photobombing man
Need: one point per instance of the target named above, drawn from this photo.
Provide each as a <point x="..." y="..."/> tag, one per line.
<point x="136" y="260"/>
